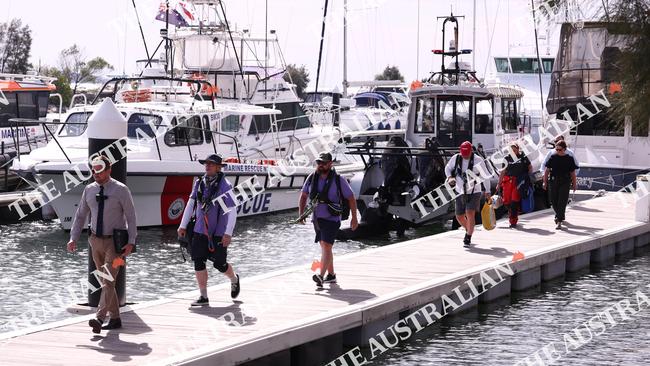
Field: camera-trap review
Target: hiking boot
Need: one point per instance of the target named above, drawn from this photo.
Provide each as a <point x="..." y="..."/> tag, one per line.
<point x="235" y="287"/>
<point x="113" y="324"/>
<point x="202" y="301"/>
<point x="513" y="226"/>
<point x="96" y="324"/>
<point x="330" y="278"/>
<point x="559" y="225"/>
<point x="318" y="279"/>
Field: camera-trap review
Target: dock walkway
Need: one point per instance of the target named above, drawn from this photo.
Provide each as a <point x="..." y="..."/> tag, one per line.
<point x="283" y="316"/>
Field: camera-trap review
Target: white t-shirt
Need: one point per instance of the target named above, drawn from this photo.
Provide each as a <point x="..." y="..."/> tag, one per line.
<point x="479" y="169"/>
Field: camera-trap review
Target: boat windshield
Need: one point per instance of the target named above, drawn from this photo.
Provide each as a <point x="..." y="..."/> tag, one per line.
<point x="75" y="124"/>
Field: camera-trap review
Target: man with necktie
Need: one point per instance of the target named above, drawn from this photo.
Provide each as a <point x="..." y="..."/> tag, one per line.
<point x="110" y="205"/>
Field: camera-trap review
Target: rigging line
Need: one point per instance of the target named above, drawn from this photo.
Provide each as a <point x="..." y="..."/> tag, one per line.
<point x="539" y="60"/>
<point x="320" y="50"/>
<point x="146" y="49"/>
<point x="234" y="49"/>
<point x="494" y="28"/>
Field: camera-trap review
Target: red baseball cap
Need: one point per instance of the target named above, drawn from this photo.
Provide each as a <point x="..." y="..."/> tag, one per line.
<point x="466" y="149"/>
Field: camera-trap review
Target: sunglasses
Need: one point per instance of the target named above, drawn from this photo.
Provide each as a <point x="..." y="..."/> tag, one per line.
<point x="322" y="162"/>
<point x="559" y="150"/>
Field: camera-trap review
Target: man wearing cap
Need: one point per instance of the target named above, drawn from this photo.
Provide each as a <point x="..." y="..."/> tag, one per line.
<point x="110" y="205"/>
<point x="213" y="228"/>
<point x="469" y="187"/>
<point x="328" y="190"/>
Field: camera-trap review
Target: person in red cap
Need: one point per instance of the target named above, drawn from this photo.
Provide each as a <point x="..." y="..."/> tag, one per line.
<point x="468" y="187"/>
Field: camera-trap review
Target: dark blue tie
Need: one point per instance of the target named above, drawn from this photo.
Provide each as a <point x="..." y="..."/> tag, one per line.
<point x="99" y="231"/>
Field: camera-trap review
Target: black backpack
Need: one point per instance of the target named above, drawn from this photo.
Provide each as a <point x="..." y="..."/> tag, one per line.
<point x="344" y="206"/>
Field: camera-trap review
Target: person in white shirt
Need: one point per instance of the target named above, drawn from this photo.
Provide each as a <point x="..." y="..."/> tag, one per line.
<point x="469" y="188"/>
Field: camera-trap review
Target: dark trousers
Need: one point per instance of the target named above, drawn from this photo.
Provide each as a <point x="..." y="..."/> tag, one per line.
<point x="559" y="196"/>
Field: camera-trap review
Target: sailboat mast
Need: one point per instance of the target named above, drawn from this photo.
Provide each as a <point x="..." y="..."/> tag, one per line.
<point x="345" y="48"/>
<point x="320" y="50"/>
<point x="473" y="38"/>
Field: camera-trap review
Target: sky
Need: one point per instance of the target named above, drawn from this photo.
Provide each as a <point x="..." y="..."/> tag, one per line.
<point x="380" y="32"/>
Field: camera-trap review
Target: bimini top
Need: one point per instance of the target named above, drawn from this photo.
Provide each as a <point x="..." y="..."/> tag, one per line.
<point x="470" y="90"/>
<point x="370" y="99"/>
<point x="20" y="82"/>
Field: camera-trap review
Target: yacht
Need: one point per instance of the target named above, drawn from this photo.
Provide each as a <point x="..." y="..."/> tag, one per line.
<point x="612" y="150"/>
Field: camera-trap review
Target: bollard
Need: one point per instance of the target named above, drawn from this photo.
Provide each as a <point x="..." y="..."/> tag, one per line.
<point x="106" y="126"/>
<point x="642" y="195"/>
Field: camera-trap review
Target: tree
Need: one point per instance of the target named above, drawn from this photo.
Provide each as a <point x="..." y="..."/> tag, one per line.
<point x="390" y="73"/>
<point x="62" y="83"/>
<point x="74" y="67"/>
<point x="15" y="46"/>
<point x="299" y="76"/>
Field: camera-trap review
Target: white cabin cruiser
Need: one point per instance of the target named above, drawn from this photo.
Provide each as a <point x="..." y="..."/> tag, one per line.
<point x="169" y="129"/>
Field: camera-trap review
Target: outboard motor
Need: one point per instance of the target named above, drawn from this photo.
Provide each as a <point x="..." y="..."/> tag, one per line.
<point x="397" y="172"/>
<point x="431" y="167"/>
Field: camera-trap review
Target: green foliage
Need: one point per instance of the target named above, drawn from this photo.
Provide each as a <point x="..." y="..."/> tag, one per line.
<point x="62" y="84"/>
<point x="15" y="46"/>
<point x="299" y="76"/>
<point x="390" y="73"/>
<point x="74" y="67"/>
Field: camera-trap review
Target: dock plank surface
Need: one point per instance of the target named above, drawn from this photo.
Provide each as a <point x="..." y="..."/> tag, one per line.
<point x="284" y="309"/>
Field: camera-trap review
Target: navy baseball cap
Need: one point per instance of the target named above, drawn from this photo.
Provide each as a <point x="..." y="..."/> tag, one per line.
<point x="213" y="158"/>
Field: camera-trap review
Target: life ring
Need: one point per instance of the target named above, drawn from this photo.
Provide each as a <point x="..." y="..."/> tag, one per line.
<point x="266" y="162"/>
<point x="231" y="160"/>
<point x="134" y="96"/>
<point x="206" y="89"/>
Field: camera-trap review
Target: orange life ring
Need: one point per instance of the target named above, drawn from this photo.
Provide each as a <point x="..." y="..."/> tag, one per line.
<point x="266" y="162"/>
<point x="134" y="96"/>
<point x="231" y="160"/>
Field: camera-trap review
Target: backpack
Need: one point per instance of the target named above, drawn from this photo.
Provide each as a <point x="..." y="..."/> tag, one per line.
<point x="458" y="170"/>
<point x="343" y="208"/>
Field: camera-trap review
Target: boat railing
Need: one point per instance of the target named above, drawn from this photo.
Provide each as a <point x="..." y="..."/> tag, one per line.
<point x="75" y="97"/>
<point x="57" y="95"/>
<point x="17" y="121"/>
<point x="117" y="83"/>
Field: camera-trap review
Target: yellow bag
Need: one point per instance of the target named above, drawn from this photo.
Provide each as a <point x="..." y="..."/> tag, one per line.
<point x="487" y="215"/>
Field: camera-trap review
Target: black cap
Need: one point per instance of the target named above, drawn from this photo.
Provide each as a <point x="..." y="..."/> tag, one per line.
<point x="324" y="157"/>
<point x="213" y="158"/>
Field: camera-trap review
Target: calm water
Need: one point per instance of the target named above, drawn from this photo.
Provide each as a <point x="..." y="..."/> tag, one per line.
<point x="502" y="334"/>
<point x="34" y="266"/>
<point x="36" y="269"/>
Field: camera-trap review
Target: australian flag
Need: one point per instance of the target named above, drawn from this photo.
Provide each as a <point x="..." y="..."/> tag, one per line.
<point x="179" y="15"/>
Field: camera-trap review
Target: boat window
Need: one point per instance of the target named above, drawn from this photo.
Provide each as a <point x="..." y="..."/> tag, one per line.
<point x="424" y="116"/>
<point x="601" y="124"/>
<point x="484" y="117"/>
<point x="75" y="124"/>
<point x="27" y="107"/>
<point x="207" y="129"/>
<point x="524" y="65"/>
<point x="292" y="117"/>
<point x="509" y="116"/>
<point x="548" y="64"/>
<point x="185" y="131"/>
<point x="142" y="122"/>
<point x="502" y="64"/>
<point x="9" y="110"/>
<point x="260" y="124"/>
<point x="463" y="118"/>
<point x="640" y="129"/>
<point x="454" y="115"/>
<point x="230" y="123"/>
